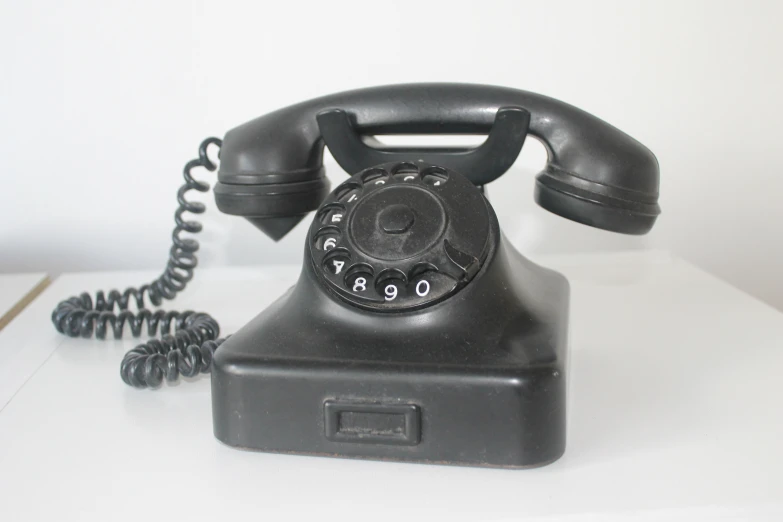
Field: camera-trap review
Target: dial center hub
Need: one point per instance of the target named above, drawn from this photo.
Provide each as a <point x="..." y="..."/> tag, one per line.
<point x="397" y="222"/>
<point x="396" y="219"/>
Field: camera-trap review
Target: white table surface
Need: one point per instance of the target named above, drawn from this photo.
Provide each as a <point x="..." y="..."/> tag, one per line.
<point x="675" y="412"/>
<point x="15" y="292"/>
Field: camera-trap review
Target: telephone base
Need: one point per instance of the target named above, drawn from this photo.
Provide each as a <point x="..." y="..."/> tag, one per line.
<point x="462" y="382"/>
<point x="497" y="417"/>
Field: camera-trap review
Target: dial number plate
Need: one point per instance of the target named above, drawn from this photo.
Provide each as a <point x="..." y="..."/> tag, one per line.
<point x="400" y="236"/>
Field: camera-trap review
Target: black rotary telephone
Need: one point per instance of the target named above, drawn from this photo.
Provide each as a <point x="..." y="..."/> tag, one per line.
<point x="416" y="331"/>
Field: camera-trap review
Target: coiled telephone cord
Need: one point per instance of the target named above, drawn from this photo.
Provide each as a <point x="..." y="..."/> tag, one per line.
<point x="188" y="339"/>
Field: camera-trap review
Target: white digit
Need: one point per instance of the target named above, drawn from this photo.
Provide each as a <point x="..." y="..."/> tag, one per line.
<point x="336" y="218"/>
<point x="380" y="182"/>
<point x="360" y="285"/>
<point x="338" y="266"/>
<point x="352" y="198"/>
<point x="391" y="292"/>
<point x="330" y="243"/>
<point x="422" y="291"/>
<point x="406" y="178"/>
<point x="437" y="183"/>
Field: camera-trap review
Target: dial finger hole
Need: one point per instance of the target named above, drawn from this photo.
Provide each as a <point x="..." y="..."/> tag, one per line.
<point x="424" y="279"/>
<point x="402" y="168"/>
<point x="375" y="177"/>
<point x="421" y="268"/>
<point x="407" y="172"/>
<point x="327" y="238"/>
<point x="390" y="284"/>
<point x="336" y="261"/>
<point x="435" y="176"/>
<point x="348" y="192"/>
<point x="359" y="277"/>
<point x="331" y="214"/>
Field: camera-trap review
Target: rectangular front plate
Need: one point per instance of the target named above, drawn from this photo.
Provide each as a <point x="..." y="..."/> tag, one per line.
<point x="374" y="423"/>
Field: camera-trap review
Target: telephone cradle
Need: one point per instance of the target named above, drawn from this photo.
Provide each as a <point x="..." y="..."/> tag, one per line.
<point x="416" y="331"/>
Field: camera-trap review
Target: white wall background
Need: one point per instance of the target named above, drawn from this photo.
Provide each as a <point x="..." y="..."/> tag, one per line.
<point x="101" y="103"/>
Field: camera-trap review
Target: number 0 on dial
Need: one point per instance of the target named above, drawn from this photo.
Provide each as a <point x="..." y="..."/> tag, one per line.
<point x="422" y="288"/>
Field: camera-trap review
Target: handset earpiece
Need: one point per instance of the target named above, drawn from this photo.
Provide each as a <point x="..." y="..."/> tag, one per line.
<point x="272" y="173"/>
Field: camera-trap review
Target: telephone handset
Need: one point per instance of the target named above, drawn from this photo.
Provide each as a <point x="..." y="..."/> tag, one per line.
<point x="416" y="331"/>
<point x="271" y="169"/>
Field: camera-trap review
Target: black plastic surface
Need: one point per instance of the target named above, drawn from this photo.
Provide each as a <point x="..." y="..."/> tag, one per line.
<point x="477" y="378"/>
<point x="400" y="235"/>
<point x="271" y="168"/>
<point x="415" y="331"/>
<point x="485" y="163"/>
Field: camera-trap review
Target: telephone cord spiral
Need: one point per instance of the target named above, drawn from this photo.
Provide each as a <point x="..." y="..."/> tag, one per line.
<point x="188" y="339"/>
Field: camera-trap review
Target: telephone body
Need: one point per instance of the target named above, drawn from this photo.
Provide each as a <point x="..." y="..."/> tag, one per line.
<point x="416" y="331"/>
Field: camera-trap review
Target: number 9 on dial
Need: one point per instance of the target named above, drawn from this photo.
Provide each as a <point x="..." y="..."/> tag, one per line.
<point x="391" y="285"/>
